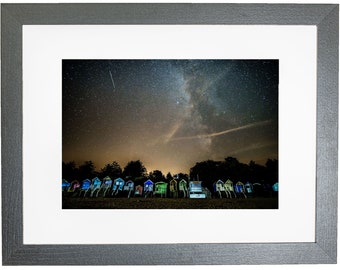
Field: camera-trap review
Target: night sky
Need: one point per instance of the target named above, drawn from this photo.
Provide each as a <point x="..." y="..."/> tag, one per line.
<point x="169" y="114"/>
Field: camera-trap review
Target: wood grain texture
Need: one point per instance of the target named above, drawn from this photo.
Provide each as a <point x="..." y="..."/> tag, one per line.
<point x="327" y="133"/>
<point x="323" y="251"/>
<point x="169" y="13"/>
<point x="11" y="131"/>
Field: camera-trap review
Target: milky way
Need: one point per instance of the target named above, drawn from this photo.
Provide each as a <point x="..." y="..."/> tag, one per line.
<point x="169" y="114"/>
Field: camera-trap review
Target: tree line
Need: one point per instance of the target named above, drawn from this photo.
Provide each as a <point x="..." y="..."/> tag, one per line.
<point x="208" y="172"/>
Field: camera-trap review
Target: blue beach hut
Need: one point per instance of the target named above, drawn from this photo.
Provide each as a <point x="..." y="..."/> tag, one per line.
<point x="239" y="189"/>
<point x="129" y="187"/>
<point x="95" y="187"/>
<point x="148" y="187"/>
<point x="276" y="187"/>
<point x="65" y="185"/>
<point x="118" y="185"/>
<point x="107" y="183"/>
<point x="249" y="188"/>
<point x="195" y="190"/>
<point x="85" y="186"/>
<point x="220" y="189"/>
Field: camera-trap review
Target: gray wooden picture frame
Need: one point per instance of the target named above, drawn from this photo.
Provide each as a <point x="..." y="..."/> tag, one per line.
<point x="322" y="251"/>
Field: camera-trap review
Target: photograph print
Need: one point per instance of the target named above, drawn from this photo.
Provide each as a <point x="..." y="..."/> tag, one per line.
<point x="170" y="134"/>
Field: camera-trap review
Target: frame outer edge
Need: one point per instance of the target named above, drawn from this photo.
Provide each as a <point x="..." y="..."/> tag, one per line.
<point x="170" y="13"/>
<point x="11" y="121"/>
<point x="327" y="134"/>
<point x="15" y="253"/>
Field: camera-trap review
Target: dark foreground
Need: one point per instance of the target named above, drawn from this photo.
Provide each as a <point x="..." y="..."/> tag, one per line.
<point x="166" y="203"/>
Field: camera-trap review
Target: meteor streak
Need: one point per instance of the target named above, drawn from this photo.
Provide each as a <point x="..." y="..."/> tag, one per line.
<point x="172" y="132"/>
<point x="215" y="134"/>
<point x="113" y="83"/>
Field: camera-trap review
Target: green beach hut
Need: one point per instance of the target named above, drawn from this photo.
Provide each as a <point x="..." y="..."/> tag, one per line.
<point x="161" y="189"/>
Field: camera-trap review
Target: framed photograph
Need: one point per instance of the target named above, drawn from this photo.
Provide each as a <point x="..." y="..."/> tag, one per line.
<point x="206" y="110"/>
<point x="134" y="134"/>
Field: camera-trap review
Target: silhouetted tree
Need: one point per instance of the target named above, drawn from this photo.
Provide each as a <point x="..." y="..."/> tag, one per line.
<point x="207" y="171"/>
<point x="169" y="177"/>
<point x="156" y="176"/>
<point x="138" y="180"/>
<point x="180" y="176"/>
<point x="86" y="170"/>
<point x="256" y="172"/>
<point x="134" y="169"/>
<point x="69" y="171"/>
<point x="210" y="171"/>
<point x="113" y="170"/>
<point x="272" y="172"/>
<point x="232" y="168"/>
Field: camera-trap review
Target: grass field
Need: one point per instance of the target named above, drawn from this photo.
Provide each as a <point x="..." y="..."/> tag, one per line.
<point x="169" y="203"/>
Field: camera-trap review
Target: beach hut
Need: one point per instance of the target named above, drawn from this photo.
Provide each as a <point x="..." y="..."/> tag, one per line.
<point x="207" y="192"/>
<point x="173" y="188"/>
<point x="276" y="187"/>
<point x="129" y="187"/>
<point x="239" y="189"/>
<point x="249" y="188"/>
<point x="105" y="187"/>
<point x="65" y="185"/>
<point x="148" y="188"/>
<point x="220" y="189"/>
<point x="267" y="189"/>
<point x="95" y="187"/>
<point x="161" y="189"/>
<point x="183" y="188"/>
<point x="118" y="185"/>
<point x="139" y="190"/>
<point x="258" y="189"/>
<point x="74" y="186"/>
<point x="85" y="185"/>
<point x="229" y="188"/>
<point x="195" y="190"/>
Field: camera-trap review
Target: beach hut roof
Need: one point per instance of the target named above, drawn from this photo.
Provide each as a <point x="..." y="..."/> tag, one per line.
<point x="96" y="182"/>
<point x="65" y="183"/>
<point x="276" y="187"/>
<point x="107" y="180"/>
<point x="129" y="184"/>
<point x="161" y="184"/>
<point x="195" y="186"/>
<point x="149" y="182"/>
<point x="86" y="184"/>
